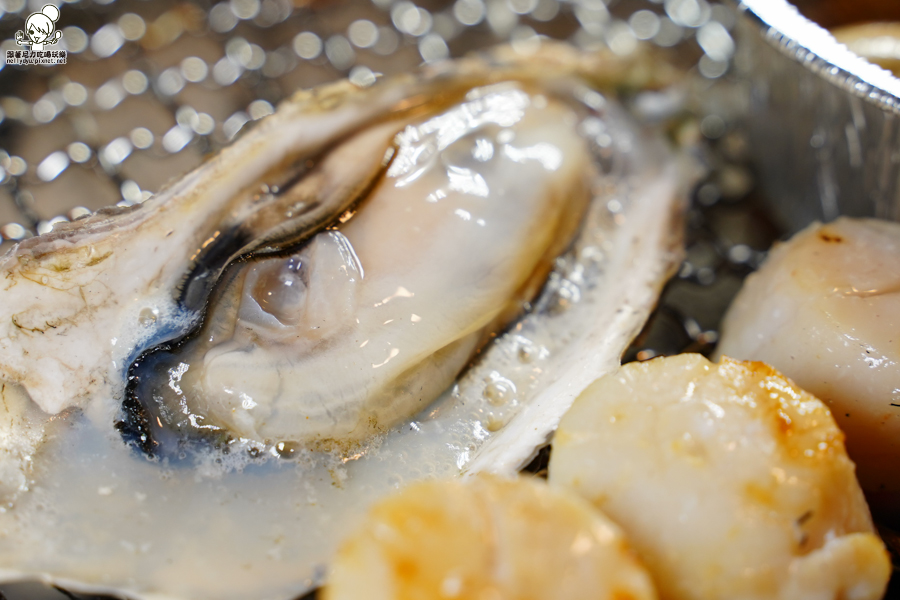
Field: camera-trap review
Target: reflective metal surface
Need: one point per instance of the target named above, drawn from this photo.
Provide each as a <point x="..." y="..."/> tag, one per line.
<point x="823" y="124"/>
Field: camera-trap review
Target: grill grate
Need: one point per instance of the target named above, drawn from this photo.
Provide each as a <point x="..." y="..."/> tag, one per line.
<point x="149" y="89"/>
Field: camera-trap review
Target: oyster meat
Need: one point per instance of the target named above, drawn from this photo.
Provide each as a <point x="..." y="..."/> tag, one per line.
<point x="342" y="339"/>
<point x="292" y="319"/>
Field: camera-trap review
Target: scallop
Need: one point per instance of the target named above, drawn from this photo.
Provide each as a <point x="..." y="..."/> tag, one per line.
<point x="728" y="479"/>
<point x="824" y="309"/>
<point x="877" y="42"/>
<point x="487" y="537"/>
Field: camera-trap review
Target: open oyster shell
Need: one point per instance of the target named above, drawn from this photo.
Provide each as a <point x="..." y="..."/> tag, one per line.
<point x="85" y="510"/>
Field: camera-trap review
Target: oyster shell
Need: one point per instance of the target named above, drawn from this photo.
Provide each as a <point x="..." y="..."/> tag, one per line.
<point x="80" y="304"/>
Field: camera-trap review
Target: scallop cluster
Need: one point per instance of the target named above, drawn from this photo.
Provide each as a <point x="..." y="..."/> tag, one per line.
<point x="712" y="481"/>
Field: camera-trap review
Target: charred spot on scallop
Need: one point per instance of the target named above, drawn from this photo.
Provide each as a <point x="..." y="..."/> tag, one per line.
<point x="373" y="318"/>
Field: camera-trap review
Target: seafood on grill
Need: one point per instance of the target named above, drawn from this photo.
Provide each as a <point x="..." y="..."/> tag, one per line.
<point x="371" y="286"/>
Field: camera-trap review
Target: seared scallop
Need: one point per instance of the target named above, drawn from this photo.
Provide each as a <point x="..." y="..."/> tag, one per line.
<point x="730" y="481"/>
<point x="825" y="310"/>
<point x="487" y="537"/>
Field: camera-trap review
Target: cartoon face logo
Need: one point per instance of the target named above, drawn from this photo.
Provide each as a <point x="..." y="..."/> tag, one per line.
<point x="40" y="29"/>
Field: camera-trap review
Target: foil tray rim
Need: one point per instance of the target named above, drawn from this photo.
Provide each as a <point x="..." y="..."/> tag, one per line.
<point x="813" y="46"/>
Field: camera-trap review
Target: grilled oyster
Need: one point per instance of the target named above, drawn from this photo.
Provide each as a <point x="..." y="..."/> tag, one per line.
<point x="354" y="332"/>
<point x="218" y="513"/>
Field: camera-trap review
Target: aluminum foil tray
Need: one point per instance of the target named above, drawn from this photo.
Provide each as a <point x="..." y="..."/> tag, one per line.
<point x="823" y="124"/>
